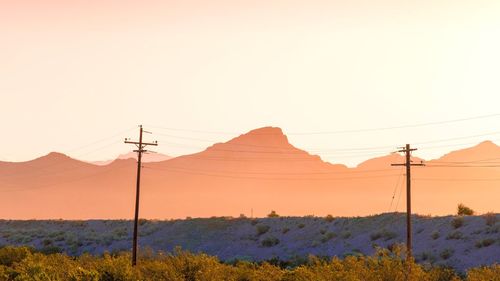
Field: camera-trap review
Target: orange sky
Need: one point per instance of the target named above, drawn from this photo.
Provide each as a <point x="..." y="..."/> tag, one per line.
<point x="73" y="72"/>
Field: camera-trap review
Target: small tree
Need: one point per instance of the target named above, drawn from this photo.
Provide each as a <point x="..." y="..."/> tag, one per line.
<point x="463" y="210"/>
<point x="273" y="214"/>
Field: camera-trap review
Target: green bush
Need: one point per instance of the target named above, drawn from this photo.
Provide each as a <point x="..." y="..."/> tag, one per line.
<point x="485" y="243"/>
<point x="10" y="255"/>
<point x="328" y="236"/>
<point x="463" y="210"/>
<point x="262" y="228"/>
<point x="457" y="222"/>
<point x="490" y="218"/>
<point x="329" y="218"/>
<point x="387" y="235"/>
<point x="455" y="235"/>
<point x="273" y="214"/>
<point x="446" y="253"/>
<point x="270" y="241"/>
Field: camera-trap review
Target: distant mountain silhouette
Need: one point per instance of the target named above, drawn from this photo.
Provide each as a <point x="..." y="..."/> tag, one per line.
<point x="259" y="170"/>
<point x="146" y="157"/>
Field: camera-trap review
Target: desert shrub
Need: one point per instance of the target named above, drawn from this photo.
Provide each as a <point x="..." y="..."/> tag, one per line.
<point x="446" y="253"/>
<point x="427" y="256"/>
<point x="435" y="235"/>
<point x="485" y="243"/>
<point x="322" y="231"/>
<point x="457" y="222"/>
<point x="254" y="222"/>
<point x="273" y="214"/>
<point x="10" y="255"/>
<point x="455" y="235"/>
<point x="270" y="241"/>
<point x="345" y="235"/>
<point x="46" y="242"/>
<point x="185" y="266"/>
<point x="484" y="273"/>
<point x="328" y="236"/>
<point x="285" y="230"/>
<point x="463" y="210"/>
<point x="262" y="228"/>
<point x="375" y="236"/>
<point x="301" y="225"/>
<point x="53" y="267"/>
<point x="387" y="235"/>
<point x="490" y="218"/>
<point x="329" y="218"/>
<point x="50" y="249"/>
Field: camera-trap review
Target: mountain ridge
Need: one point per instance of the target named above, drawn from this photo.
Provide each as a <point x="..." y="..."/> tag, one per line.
<point x="259" y="170"/>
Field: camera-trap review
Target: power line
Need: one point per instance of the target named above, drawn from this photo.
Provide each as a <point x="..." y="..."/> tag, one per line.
<point x="275" y="173"/>
<point x="395" y="189"/>
<point x="457" y="180"/>
<point x="194" y="172"/>
<point x="349" y="131"/>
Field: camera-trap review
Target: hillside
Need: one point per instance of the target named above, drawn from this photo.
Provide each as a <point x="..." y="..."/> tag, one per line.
<point x="450" y="241"/>
<point x="252" y="173"/>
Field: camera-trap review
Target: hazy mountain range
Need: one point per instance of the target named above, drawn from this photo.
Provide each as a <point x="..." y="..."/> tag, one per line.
<point x="146" y="158"/>
<point x="258" y="171"/>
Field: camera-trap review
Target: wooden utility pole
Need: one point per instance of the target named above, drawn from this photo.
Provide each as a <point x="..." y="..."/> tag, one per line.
<point x="140" y="149"/>
<point x="407" y="150"/>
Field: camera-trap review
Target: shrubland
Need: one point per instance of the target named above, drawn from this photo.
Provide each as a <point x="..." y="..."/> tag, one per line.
<point x="24" y="263"/>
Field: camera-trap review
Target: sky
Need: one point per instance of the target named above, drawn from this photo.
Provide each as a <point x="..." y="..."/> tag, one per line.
<point x="79" y="76"/>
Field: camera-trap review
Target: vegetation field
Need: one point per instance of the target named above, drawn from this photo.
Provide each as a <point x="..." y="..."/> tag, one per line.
<point x="460" y="242"/>
<point x="22" y="263"/>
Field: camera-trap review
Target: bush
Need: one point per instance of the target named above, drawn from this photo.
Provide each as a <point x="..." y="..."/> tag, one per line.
<point x="387" y="235"/>
<point x="457" y="222"/>
<point x="51" y="249"/>
<point x="345" y="235"/>
<point x="328" y="236"/>
<point x="184" y="266"/>
<point x="273" y="214"/>
<point x="463" y="210"/>
<point x="10" y="255"/>
<point x="455" y="235"/>
<point x="435" y="235"/>
<point x="485" y="243"/>
<point x="329" y="218"/>
<point x="270" y="241"/>
<point x="262" y="228"/>
<point x="285" y="230"/>
<point x="446" y="254"/>
<point x="484" y="273"/>
<point x="490" y="218"/>
<point x="301" y="225"/>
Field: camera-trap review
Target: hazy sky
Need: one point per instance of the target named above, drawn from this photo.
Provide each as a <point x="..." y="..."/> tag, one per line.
<point x="76" y="72"/>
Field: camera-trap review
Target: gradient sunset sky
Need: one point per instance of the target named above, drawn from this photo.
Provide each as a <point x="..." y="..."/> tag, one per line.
<point x="76" y="72"/>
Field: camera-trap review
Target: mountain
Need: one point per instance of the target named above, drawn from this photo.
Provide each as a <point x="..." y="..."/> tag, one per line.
<point x="146" y="157"/>
<point x="253" y="173"/>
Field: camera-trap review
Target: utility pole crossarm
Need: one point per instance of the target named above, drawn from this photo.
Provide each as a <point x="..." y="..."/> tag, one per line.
<point x="142" y="143"/>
